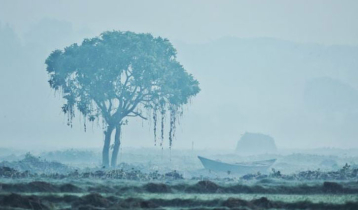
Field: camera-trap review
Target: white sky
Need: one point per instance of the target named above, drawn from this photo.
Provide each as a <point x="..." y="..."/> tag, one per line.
<point x="319" y="21"/>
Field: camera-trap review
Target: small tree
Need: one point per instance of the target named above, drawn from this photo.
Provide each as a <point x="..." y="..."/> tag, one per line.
<point x="119" y="75"/>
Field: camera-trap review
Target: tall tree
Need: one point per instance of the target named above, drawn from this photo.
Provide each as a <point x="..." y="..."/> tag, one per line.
<point x="119" y="75"/>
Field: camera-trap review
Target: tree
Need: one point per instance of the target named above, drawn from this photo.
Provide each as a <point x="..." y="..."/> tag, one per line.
<point x="119" y="75"/>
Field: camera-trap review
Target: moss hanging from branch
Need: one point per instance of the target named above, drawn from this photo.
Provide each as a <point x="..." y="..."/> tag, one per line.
<point x="155" y="119"/>
<point x="172" y="128"/>
<point x="162" y="112"/>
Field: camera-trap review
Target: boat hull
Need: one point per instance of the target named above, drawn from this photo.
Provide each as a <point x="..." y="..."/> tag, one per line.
<point x="213" y="165"/>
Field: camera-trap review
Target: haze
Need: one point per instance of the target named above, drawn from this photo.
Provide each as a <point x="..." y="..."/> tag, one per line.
<point x="285" y="68"/>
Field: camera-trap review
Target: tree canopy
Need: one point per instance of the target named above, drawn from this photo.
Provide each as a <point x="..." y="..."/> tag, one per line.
<point x="119" y="75"/>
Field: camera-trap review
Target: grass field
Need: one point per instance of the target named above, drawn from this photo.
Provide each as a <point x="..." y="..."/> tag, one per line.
<point x="111" y="194"/>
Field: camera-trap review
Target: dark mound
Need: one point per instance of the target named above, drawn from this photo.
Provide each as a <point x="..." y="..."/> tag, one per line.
<point x="24" y="202"/>
<point x="92" y="200"/>
<point x="70" y="188"/>
<point x="203" y="187"/>
<point x="332" y="187"/>
<point x="263" y="202"/>
<point x="235" y="202"/>
<point x="136" y="203"/>
<point x="157" y="188"/>
<point x="97" y="201"/>
<point x="41" y="187"/>
<point x="36" y="186"/>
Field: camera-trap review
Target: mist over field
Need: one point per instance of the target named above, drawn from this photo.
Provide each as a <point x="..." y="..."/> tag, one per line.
<point x="178" y="104"/>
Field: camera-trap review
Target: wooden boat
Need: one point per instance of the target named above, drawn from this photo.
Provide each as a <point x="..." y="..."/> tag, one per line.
<point x="239" y="168"/>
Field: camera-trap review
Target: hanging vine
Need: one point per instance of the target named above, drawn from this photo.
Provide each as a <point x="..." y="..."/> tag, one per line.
<point x="162" y="112"/>
<point x="172" y="128"/>
<point x="155" y="118"/>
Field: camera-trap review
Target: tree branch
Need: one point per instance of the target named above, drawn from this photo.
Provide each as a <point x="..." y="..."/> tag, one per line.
<point x="137" y="114"/>
<point x="105" y="114"/>
<point x="110" y="106"/>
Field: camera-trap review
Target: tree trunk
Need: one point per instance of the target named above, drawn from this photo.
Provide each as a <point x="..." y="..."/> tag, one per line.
<point x="107" y="143"/>
<point x="117" y="143"/>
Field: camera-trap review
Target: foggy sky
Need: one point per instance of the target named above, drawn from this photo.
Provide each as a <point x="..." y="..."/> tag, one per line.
<point x="319" y="21"/>
<point x="260" y="64"/>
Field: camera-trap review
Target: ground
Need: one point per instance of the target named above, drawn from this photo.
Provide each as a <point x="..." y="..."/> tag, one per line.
<point x="29" y="182"/>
